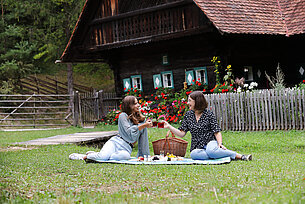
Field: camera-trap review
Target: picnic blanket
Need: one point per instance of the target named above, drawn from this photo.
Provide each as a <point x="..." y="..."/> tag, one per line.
<point x="185" y="161"/>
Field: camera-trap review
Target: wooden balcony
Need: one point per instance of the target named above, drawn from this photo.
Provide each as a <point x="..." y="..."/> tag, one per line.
<point x="144" y="25"/>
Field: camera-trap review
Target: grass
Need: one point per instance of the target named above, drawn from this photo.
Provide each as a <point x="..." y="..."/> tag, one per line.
<point x="46" y="175"/>
<point x="81" y="78"/>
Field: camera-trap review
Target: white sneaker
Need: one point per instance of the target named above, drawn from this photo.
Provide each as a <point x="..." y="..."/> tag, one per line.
<point x="76" y="156"/>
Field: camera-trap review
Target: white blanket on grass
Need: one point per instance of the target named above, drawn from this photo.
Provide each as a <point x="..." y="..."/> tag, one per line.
<point x="185" y="161"/>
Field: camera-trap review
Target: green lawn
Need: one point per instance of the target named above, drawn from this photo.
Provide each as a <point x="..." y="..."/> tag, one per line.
<point x="46" y="175"/>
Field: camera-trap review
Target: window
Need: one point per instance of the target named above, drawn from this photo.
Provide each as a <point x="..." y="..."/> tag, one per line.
<point x="136" y="82"/>
<point x="201" y="75"/>
<point x="165" y="60"/>
<point x="248" y="73"/>
<point x="168" y="79"/>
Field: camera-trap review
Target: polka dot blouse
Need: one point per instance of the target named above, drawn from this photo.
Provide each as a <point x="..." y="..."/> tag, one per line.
<point x="202" y="131"/>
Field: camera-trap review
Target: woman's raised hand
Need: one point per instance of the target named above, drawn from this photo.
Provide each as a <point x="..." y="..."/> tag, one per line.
<point x="166" y="124"/>
<point x="149" y="123"/>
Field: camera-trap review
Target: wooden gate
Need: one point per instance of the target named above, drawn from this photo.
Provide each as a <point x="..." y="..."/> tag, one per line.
<point x="91" y="107"/>
<point x="35" y="110"/>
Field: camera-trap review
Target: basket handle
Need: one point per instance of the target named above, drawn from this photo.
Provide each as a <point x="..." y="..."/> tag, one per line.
<point x="167" y="141"/>
<point x="167" y="135"/>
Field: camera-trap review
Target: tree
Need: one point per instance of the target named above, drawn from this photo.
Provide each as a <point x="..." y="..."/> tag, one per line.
<point x="33" y="34"/>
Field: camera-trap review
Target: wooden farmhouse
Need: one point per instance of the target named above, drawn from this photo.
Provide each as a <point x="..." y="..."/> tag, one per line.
<point x="163" y="43"/>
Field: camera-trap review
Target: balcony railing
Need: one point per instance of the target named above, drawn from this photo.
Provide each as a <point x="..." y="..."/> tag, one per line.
<point x="149" y="24"/>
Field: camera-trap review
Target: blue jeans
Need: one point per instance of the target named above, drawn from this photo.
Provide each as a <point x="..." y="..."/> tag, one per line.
<point x="212" y="151"/>
<point x="114" y="149"/>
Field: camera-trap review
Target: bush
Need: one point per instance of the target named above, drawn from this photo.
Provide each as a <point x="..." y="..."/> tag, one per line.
<point x="301" y="85"/>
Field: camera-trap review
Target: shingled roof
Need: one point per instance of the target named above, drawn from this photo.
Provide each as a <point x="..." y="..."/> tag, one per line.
<point x="284" y="17"/>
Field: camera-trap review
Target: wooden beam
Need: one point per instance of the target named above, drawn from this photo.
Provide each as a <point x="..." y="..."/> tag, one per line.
<point x="141" y="11"/>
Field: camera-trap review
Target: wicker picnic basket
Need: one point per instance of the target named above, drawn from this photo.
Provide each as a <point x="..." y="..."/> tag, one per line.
<point x="171" y="145"/>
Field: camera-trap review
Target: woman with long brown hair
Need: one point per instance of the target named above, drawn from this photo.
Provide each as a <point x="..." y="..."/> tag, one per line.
<point x="206" y="136"/>
<point x="132" y="128"/>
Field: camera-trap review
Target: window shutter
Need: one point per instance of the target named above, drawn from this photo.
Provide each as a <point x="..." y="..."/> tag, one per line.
<point x="126" y="84"/>
<point x="189" y="76"/>
<point x="157" y="80"/>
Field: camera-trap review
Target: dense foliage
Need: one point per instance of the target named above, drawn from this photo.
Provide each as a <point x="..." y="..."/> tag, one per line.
<point x="33" y="35"/>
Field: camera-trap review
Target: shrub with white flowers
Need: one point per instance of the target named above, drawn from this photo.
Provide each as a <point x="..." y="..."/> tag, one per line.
<point x="242" y="87"/>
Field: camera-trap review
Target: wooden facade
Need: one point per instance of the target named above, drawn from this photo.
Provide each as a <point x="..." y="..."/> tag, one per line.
<point x="143" y="39"/>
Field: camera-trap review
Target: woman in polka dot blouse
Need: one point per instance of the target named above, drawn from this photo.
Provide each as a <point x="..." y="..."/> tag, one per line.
<point x="206" y="134"/>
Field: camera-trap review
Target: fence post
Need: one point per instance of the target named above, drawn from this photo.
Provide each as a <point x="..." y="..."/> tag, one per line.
<point x="70" y="82"/>
<point x="76" y="109"/>
<point x="101" y="105"/>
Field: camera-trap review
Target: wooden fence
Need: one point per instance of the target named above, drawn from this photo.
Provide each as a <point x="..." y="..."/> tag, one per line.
<point x="50" y="86"/>
<point x="89" y="108"/>
<point x="261" y="110"/>
<point x="35" y="110"/>
<point x="253" y="111"/>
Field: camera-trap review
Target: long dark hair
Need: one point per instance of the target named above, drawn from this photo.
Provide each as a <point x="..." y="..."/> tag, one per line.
<point x="200" y="102"/>
<point x="135" y="117"/>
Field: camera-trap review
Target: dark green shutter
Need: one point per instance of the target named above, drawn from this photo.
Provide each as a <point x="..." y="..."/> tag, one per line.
<point x="157" y="80"/>
<point x="189" y="77"/>
<point x="126" y="84"/>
